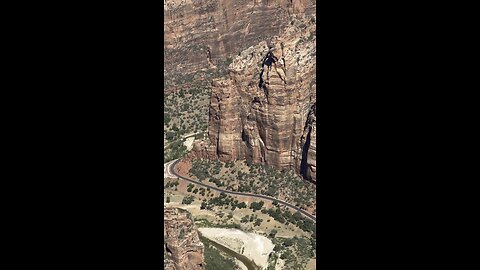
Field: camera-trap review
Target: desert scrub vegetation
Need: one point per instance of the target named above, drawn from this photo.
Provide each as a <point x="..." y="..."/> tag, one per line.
<point x="286" y="217"/>
<point x="295" y="251"/>
<point x="214" y="260"/>
<point x="223" y="200"/>
<point x="171" y="185"/>
<point x="202" y="222"/>
<point x="174" y="150"/>
<point x="185" y="111"/>
<point x="257" y="178"/>
<point x="188" y="199"/>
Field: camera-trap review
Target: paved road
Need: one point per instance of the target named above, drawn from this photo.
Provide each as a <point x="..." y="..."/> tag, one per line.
<point x="184" y="137"/>
<point x="168" y="169"/>
<point x="192" y="134"/>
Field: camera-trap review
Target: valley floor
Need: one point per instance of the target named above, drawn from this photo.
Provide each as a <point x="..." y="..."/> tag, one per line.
<point x="252" y="245"/>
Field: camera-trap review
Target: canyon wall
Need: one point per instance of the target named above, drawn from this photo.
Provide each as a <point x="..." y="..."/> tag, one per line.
<point x="268" y="114"/>
<point x="182" y="247"/>
<point x="201" y="36"/>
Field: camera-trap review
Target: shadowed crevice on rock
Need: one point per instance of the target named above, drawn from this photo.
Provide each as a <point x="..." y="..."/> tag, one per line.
<point x="168" y="250"/>
<point x="304" y="164"/>
<point x="268" y="60"/>
<point x="261" y="83"/>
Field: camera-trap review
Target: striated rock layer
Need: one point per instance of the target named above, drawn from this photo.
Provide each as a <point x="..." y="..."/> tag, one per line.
<point x="183" y="249"/>
<point x="268" y="114"/>
<point x="201" y="35"/>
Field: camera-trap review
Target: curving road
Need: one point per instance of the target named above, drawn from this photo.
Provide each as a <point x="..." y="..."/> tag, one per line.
<point x="169" y="171"/>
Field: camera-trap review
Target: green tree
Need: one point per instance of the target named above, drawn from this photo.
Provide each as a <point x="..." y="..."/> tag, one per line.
<point x="170" y="135"/>
<point x="188" y="199"/>
<point x="288" y="242"/>
<point x="256" y="205"/>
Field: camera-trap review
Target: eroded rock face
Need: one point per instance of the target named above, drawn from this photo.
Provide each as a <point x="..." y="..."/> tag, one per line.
<point x="268" y="114"/>
<point x="201" y="35"/>
<point x="182" y="248"/>
<point x="260" y="116"/>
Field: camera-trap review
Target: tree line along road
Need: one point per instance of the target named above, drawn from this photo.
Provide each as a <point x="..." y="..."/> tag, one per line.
<point x="169" y="171"/>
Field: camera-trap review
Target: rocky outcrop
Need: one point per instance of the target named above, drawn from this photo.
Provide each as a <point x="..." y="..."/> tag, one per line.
<point x="182" y="248"/>
<point x="265" y="110"/>
<point x="201" y="36"/>
<point x="308" y="164"/>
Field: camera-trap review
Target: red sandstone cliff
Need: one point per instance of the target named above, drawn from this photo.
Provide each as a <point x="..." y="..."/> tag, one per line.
<point x="182" y="248"/>
<point x="201" y="35"/>
<point x="268" y="114"/>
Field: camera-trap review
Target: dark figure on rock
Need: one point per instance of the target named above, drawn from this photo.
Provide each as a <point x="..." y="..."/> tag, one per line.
<point x="269" y="60"/>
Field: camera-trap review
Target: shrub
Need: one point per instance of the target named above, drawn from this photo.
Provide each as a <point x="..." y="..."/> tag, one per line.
<point x="188" y="200"/>
<point x="256" y="205"/>
<point x="242" y="205"/>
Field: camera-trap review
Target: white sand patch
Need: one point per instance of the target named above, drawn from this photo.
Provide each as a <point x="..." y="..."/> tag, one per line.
<point x="254" y="246"/>
<point x="189" y="143"/>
